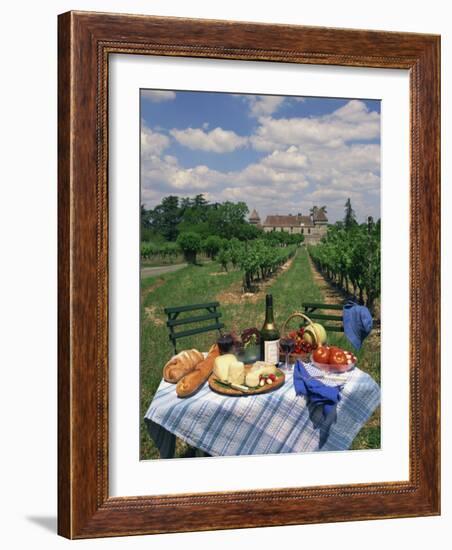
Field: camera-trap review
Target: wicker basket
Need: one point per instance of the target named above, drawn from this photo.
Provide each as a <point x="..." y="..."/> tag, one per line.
<point x="294" y="356"/>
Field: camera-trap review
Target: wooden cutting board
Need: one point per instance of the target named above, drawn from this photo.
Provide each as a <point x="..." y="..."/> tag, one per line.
<point x="223" y="389"/>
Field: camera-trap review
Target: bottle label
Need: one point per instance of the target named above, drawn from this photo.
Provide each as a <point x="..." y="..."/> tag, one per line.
<point x="271" y="351"/>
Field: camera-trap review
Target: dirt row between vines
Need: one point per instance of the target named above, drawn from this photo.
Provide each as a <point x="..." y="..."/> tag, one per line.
<point x="235" y="294"/>
<point x="331" y="295"/>
<point x="334" y="295"/>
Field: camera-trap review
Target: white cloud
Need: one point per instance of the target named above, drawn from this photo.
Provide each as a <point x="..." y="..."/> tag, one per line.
<point x="291" y="158"/>
<point x="265" y="176"/>
<point x="326" y="194"/>
<point x="149" y="195"/>
<point x="152" y="143"/>
<point x="264" y="105"/>
<point x="157" y="96"/>
<point x="197" y="178"/>
<point x="306" y="161"/>
<point x="354" y="111"/>
<point x="217" y="140"/>
<point x="166" y="174"/>
<point x="347" y="167"/>
<point x="352" y="122"/>
<point x="287" y="181"/>
<point x="272" y="196"/>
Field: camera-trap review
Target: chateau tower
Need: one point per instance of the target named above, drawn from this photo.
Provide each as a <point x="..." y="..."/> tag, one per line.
<point x="254" y="218"/>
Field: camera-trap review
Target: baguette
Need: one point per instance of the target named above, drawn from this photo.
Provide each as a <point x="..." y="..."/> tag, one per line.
<point x="181" y="364"/>
<point x="192" y="381"/>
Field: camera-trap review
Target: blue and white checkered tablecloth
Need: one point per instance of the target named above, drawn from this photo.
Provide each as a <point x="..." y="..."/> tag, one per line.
<point x="276" y="422"/>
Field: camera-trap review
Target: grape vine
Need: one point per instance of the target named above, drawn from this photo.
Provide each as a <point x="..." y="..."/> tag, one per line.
<point x="350" y="258"/>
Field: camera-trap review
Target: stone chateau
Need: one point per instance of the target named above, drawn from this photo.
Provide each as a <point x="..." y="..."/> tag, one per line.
<point x="313" y="227"/>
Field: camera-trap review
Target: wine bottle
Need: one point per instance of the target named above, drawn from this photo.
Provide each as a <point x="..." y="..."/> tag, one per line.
<point x="269" y="334"/>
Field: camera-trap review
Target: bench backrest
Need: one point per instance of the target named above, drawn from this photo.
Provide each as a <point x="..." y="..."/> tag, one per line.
<point x="314" y="311"/>
<point x="211" y="316"/>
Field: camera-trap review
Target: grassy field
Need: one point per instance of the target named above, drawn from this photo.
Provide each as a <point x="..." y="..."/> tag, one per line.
<point x="209" y="282"/>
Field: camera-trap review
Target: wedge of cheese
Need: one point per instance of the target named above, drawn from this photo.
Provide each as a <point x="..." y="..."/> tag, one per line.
<point x="256" y="371"/>
<point x="229" y="370"/>
<point x="236" y="373"/>
<point x="221" y="366"/>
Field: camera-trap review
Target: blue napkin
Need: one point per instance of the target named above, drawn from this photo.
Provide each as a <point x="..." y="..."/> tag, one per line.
<point x="317" y="392"/>
<point x="357" y="323"/>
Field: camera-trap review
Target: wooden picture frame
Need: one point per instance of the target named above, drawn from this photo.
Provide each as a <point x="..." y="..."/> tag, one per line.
<point x="85" y="42"/>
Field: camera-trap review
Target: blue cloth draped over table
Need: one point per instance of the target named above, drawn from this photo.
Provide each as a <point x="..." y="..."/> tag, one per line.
<point x="357" y="323"/>
<point x="316" y="391"/>
<point x="276" y="422"/>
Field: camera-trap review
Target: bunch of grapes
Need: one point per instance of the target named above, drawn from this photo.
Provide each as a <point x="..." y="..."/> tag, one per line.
<point x="300" y="345"/>
<point x="250" y="336"/>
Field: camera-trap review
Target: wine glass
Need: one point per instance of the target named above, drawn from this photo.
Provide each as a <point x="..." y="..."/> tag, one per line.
<point x="287" y="345"/>
<point x="225" y="343"/>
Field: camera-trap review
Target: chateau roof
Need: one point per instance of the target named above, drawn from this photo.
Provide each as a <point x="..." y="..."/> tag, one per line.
<point x="254" y="215"/>
<point x="320" y="216"/>
<point x="288" y="221"/>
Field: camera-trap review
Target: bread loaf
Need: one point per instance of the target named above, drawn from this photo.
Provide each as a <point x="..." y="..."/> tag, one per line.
<point x="192" y="381"/>
<point x="181" y="364"/>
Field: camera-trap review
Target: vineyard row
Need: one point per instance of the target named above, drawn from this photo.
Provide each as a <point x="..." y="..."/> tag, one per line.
<point x="351" y="258"/>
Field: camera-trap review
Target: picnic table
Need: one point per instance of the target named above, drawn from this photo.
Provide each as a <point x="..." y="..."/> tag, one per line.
<point x="271" y="423"/>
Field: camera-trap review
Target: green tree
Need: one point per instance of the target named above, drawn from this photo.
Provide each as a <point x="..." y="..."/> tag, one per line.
<point x="190" y="244"/>
<point x="194" y="213"/>
<point x="247" y="232"/>
<point x="350" y="217"/>
<point x="227" y="218"/>
<point x="176" y="215"/>
<point x="144" y="216"/>
<point x="165" y="217"/>
<point x="145" y="225"/>
<point x="212" y="246"/>
<point x="200" y="201"/>
<point x="224" y="257"/>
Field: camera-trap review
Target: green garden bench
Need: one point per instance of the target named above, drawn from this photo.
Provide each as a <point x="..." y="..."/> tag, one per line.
<point x="311" y="310"/>
<point x="176" y="319"/>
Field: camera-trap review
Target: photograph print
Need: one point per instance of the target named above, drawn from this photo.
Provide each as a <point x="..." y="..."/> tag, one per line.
<point x="260" y="274"/>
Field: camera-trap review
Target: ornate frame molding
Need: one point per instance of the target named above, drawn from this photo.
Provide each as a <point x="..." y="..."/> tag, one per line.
<point x="85" y="42"/>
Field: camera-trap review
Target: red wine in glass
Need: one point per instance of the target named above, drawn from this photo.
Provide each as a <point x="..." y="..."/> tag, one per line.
<point x="287" y="345"/>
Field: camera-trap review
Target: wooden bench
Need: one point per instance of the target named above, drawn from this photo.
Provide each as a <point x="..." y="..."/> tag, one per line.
<point x="175" y="320"/>
<point x="311" y="309"/>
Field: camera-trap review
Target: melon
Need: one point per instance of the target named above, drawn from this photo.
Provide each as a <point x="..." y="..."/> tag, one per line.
<point x="314" y="334"/>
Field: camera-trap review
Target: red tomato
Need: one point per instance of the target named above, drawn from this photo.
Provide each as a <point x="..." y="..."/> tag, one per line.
<point x="321" y="355"/>
<point x="338" y="357"/>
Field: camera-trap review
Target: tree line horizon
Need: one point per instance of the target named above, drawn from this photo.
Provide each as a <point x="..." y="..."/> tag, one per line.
<point x="175" y="215"/>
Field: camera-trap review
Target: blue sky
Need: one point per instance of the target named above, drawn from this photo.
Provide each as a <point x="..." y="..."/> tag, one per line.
<point x="279" y="154"/>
